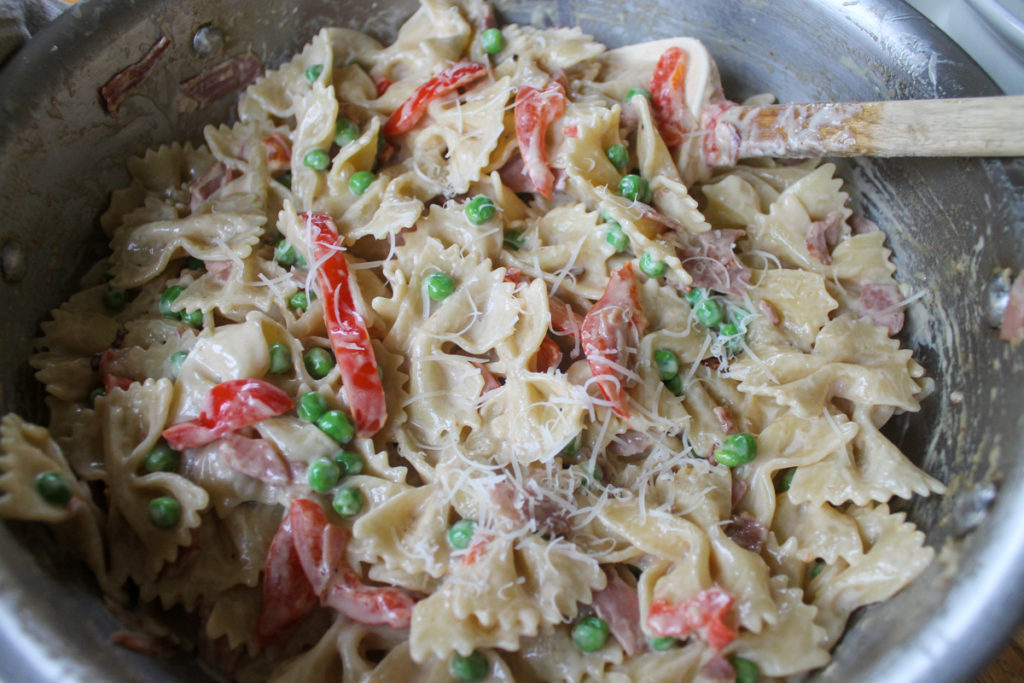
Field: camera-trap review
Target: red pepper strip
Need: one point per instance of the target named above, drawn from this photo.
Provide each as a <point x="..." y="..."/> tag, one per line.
<point x="611" y="329"/>
<point x="346" y="328"/>
<point x="279" y="153"/>
<point x="227" y="407"/>
<point x="668" y="95"/>
<point x="405" y="118"/>
<point x="287" y="593"/>
<point x="534" y="111"/>
<point x="548" y="355"/>
<point x="704" y="613"/>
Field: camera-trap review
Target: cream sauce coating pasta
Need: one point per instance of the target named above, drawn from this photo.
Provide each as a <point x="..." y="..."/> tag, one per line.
<point x="444" y="361"/>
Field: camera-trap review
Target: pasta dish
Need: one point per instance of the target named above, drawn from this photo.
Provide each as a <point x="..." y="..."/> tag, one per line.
<point x="479" y="356"/>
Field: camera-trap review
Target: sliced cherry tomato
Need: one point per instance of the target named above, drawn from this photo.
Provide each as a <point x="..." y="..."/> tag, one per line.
<point x="405" y="118"/>
<point x="548" y="355"/>
<point x="704" y="614"/>
<point x="610" y="335"/>
<point x="668" y="96"/>
<point x="535" y="109"/>
<point x="307" y="563"/>
<point x="227" y="407"/>
<point x="279" y="153"/>
<point x="361" y="383"/>
<point x="320" y="545"/>
<point x="287" y="593"/>
<point x="564" y="320"/>
<point x="476" y="549"/>
<point x="382" y="84"/>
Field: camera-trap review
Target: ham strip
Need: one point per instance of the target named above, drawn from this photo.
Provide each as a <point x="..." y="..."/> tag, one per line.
<point x="619" y="606"/>
<point x="1012" y="328"/>
<point x="125" y="82"/>
<point x="881" y="301"/>
<point x="221" y="80"/>
<point x="822" y="236"/>
<point x="713" y="264"/>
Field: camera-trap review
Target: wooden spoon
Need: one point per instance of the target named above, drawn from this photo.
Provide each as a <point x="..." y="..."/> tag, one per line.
<point x="975" y="127"/>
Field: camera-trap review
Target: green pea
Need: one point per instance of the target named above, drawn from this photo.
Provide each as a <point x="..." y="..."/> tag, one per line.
<point x="460" y="534"/>
<point x="785" y="480"/>
<point x="475" y="667"/>
<point x="732" y="338"/>
<point x="667" y="363"/>
<point x="285" y="179"/>
<point x="192" y="263"/>
<point x="746" y="670"/>
<point x="492" y="41"/>
<point x="590" y="634"/>
<point x="336" y="425"/>
<point x="54" y="488"/>
<point x="696" y="295"/>
<point x="164" y="512"/>
<point x="323" y="475"/>
<point x="573" y="447"/>
<point x="192" y="318"/>
<point x="162" y="458"/>
<point x="95" y="394"/>
<point x="318" y="362"/>
<point x="708" y="313"/>
<point x="817" y="567"/>
<point x="349" y="462"/>
<point x="662" y="643"/>
<point x="652" y="267"/>
<point x="313" y="72"/>
<point x="675" y="385"/>
<point x="345" y="131"/>
<point x="317" y="159"/>
<point x="618" y="155"/>
<point x="177" y="358"/>
<point x="167" y="300"/>
<point x="114" y="299"/>
<point x="480" y="209"/>
<point x="636" y="188"/>
<point x="633" y="92"/>
<point x="285" y="254"/>
<point x="616" y="237"/>
<point x="513" y="240"/>
<point x="360" y="181"/>
<point x="311" y="406"/>
<point x="738" y="449"/>
<point x="439" y="286"/>
<point x="348" y="501"/>
<point x="280" y="358"/>
<point x="298" y="301"/>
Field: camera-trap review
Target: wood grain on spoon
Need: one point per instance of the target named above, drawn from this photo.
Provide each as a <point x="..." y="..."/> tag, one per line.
<point x="980" y="126"/>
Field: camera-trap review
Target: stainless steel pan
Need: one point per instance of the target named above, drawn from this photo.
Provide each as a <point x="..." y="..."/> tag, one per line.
<point x="952" y="223"/>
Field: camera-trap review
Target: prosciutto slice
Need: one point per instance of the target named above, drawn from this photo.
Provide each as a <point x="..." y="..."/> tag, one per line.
<point x="713" y="264"/>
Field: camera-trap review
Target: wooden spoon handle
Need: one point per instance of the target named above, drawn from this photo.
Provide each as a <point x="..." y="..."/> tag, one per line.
<point x="980" y="126"/>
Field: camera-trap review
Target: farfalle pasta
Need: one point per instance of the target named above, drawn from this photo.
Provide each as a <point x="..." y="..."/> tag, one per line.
<point x="462" y="357"/>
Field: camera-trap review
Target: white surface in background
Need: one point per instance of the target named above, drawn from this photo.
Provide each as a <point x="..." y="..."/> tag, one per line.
<point x="991" y="31"/>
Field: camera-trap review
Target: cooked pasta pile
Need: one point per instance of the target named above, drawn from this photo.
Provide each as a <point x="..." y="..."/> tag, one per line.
<point x="458" y="358"/>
